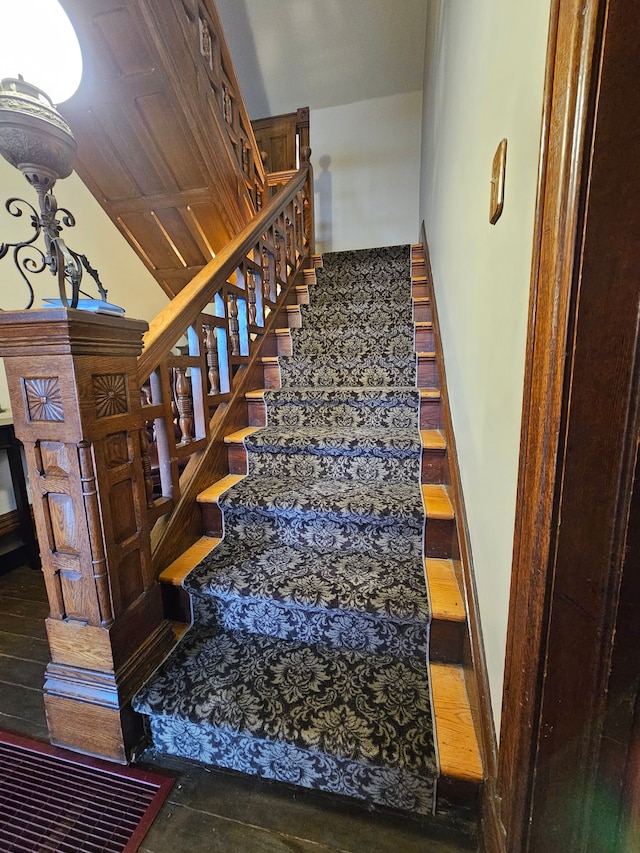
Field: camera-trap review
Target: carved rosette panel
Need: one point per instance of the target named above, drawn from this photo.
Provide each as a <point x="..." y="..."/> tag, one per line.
<point x="110" y="394"/>
<point x="44" y="398"/>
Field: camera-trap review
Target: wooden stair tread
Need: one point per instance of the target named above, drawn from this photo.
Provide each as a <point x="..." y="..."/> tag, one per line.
<point x="437" y="502"/>
<point x="422" y="299"/>
<point x="256" y="394"/>
<point x="211" y="495"/>
<point x="423" y="355"/>
<point x="458" y="750"/>
<point x="239" y="436"/>
<point x="423" y="324"/>
<point x="270" y="359"/>
<point x="444" y="592"/>
<point x="432" y="439"/>
<point x="178" y="570"/>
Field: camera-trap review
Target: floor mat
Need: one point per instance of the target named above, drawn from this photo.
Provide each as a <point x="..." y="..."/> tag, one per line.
<point x="54" y="800"/>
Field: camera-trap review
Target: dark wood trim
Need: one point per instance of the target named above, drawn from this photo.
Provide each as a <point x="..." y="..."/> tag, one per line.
<point x="558" y="205"/>
<point x="475" y="666"/>
<point x="580" y="430"/>
<point x="9" y="522"/>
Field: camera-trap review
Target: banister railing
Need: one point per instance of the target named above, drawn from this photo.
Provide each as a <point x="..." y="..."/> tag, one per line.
<point x="195" y="347"/>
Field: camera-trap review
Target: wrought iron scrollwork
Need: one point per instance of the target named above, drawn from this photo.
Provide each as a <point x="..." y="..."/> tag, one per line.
<point x="29" y="259"/>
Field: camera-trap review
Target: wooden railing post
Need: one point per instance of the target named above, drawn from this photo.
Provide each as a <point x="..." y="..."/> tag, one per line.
<point x="75" y="396"/>
<point x="309" y="225"/>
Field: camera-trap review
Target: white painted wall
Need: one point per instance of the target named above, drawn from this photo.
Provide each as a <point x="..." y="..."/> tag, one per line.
<point x="127" y="280"/>
<point x="366" y="160"/>
<point x="484" y="73"/>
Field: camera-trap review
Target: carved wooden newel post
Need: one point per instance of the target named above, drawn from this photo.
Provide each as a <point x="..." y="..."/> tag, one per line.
<point x="74" y="392"/>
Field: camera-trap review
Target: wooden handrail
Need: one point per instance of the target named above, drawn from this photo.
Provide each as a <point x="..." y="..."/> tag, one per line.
<point x="184" y="308"/>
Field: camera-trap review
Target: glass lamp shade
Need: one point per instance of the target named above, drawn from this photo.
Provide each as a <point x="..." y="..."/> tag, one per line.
<point x="38" y="43"/>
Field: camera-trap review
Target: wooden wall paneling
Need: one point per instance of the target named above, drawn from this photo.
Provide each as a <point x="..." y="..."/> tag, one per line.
<point x="281" y="137"/>
<point x="579" y="443"/>
<point x="152" y="144"/>
<point x="276" y="137"/>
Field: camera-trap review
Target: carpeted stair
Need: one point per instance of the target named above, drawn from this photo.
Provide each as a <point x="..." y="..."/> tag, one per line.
<point x="307" y="658"/>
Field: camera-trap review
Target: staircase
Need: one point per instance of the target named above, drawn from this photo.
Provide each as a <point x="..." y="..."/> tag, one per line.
<point x="309" y="659"/>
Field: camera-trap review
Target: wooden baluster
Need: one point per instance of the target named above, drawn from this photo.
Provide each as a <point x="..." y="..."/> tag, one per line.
<point x="234" y="325"/>
<point x="266" y="276"/>
<point x="211" y="349"/>
<point x="278" y="261"/>
<point x="251" y="297"/>
<point x="305" y="160"/>
<point x="146" y="466"/>
<point x="287" y="236"/>
<point x="300" y="223"/>
<point x="184" y="404"/>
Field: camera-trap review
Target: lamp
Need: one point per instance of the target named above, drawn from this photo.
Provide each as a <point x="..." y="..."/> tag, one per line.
<point x="36" y="139"/>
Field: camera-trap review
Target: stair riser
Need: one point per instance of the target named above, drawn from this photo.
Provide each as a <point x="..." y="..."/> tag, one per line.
<point x="360" y="469"/>
<point x="433" y="467"/>
<point x="446" y="641"/>
<point x="419" y="289"/>
<point x="271" y="375"/>
<point x="257" y="413"/>
<point x="286" y="763"/>
<point x="302" y="294"/>
<point x="422" y="312"/>
<point x="288" y="418"/>
<point x="335" y="629"/>
<point x="211" y="519"/>
<point x="424" y="340"/>
<point x="446" y="637"/>
<point x="437" y="538"/>
<point x="176" y="603"/>
<point x="312" y="528"/>
<point x="428" y="373"/>
<point x="294" y="374"/>
<point x="311" y="345"/>
<point x="321" y="317"/>
<point x="430" y="413"/>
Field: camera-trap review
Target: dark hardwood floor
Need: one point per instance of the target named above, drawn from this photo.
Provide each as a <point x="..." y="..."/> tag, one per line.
<point x="208" y="810"/>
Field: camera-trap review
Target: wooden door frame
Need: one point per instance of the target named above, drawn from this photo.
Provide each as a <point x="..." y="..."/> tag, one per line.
<point x="579" y="433"/>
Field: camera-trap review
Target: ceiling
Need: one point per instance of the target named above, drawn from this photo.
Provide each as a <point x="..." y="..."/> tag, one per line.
<point x="323" y="53"/>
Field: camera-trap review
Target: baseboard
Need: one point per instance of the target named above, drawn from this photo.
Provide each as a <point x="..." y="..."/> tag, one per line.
<point x="492" y="836"/>
<point x="474" y="658"/>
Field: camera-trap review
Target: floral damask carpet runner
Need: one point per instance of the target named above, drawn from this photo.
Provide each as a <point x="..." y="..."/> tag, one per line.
<point x="307" y="659"/>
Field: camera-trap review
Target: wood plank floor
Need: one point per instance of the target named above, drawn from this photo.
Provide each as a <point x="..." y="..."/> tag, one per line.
<point x="208" y="809"/>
